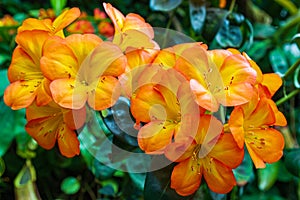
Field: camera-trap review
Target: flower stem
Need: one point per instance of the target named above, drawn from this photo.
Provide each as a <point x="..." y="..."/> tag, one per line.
<point x="287" y="97"/>
<point x="292" y="69"/>
<point x="232" y="6"/>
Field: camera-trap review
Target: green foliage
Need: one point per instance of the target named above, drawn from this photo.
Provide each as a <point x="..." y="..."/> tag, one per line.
<point x="70" y="185"/>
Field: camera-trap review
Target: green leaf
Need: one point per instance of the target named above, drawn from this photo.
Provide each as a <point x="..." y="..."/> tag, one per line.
<point x="259" y="49"/>
<point x="4" y="81"/>
<point x="70" y="185"/>
<point x="164" y="5"/>
<point x="292" y="161"/>
<point x="101" y="171"/>
<point x="263" y="31"/>
<point x="297" y="78"/>
<point x="111" y="186"/>
<point x="296" y="39"/>
<point x="12" y="126"/>
<point x="244" y="172"/>
<point x="197" y="15"/>
<point x="267" y="176"/>
<point x="58" y="5"/>
<point x="278" y="61"/>
<point x="157" y="185"/>
<point x="2" y="167"/>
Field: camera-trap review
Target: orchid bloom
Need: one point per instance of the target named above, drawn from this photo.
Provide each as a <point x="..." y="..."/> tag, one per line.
<point x="83" y="68"/>
<point x="27" y="81"/>
<point x="210" y="154"/>
<point x="51" y="123"/>
<point x="217" y="77"/>
<point x="53" y="28"/>
<point x="130" y="31"/>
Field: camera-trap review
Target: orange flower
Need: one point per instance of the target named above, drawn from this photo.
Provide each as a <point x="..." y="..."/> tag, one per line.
<point x="81" y="26"/>
<point x="54" y="28"/>
<point x="217" y="77"/>
<point x="130" y="31"/>
<point x="27" y="81"/>
<point x="210" y="154"/>
<point x="106" y="29"/>
<point x="163" y="102"/>
<point x="98" y="14"/>
<point x="51" y="123"/>
<point x="83" y="69"/>
<point x="251" y="124"/>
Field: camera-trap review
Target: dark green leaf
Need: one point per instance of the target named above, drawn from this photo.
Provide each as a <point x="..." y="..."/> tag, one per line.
<point x="278" y="61"/>
<point x="102" y="171"/>
<point x="263" y="31"/>
<point x="197" y="15"/>
<point x="164" y="5"/>
<point x="12" y="126"/>
<point x="296" y="39"/>
<point x="267" y="176"/>
<point x="216" y="196"/>
<point x="259" y="49"/>
<point x="157" y="185"/>
<point x="2" y="166"/>
<point x="297" y="78"/>
<point x="70" y="185"/>
<point x="292" y="161"/>
<point x="244" y="172"/>
<point x="107" y="190"/>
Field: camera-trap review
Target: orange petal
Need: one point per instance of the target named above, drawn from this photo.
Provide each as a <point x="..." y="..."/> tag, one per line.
<point x="35" y="24"/>
<point x="227" y="151"/>
<point x="115" y="15"/>
<point x="180" y="150"/>
<point x="218" y="176"/>
<point x="43" y="96"/>
<point x="32" y="43"/>
<point x="43" y="130"/>
<point x="218" y="56"/>
<point x="139" y="57"/>
<point x="36" y="112"/>
<point x="272" y="81"/>
<point x="58" y="59"/>
<point x="75" y="119"/>
<point x="236" y="125"/>
<point x="67" y="141"/>
<point x="105" y="94"/>
<point x="65" y="18"/>
<point x="186" y="177"/>
<point x="68" y="93"/>
<point x="155" y="136"/>
<point x="204" y="97"/>
<point x="20" y="94"/>
<point x="82" y="45"/>
<point x="143" y="100"/>
<point x="264" y="145"/>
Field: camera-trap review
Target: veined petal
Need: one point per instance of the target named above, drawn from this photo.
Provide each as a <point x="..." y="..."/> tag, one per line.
<point x="106" y="54"/>
<point x="218" y="56"/>
<point x="65" y="18"/>
<point x="68" y="143"/>
<point x="75" y="119"/>
<point x="115" y="15"/>
<point x="139" y="57"/>
<point x="32" y="43"/>
<point x="272" y="81"/>
<point x="58" y="59"/>
<point x="227" y="152"/>
<point x="36" y="112"/>
<point x="105" y="94"/>
<point x="204" y="97"/>
<point x="143" y="100"/>
<point x="135" y="21"/>
<point x="181" y="149"/>
<point x="35" y="24"/>
<point x="43" y="130"/>
<point x="264" y="146"/>
<point x="20" y="94"/>
<point x="154" y="137"/>
<point x="218" y="176"/>
<point x="82" y="45"/>
<point x="68" y="93"/>
<point x="186" y="177"/>
<point x="43" y="93"/>
<point x="280" y="119"/>
<point x="236" y="125"/>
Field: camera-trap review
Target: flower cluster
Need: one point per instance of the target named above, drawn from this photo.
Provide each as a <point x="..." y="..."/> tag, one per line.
<point x="178" y="96"/>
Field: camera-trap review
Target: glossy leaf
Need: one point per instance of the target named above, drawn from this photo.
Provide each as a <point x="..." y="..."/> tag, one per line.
<point x="12" y="126"/>
<point x="70" y="185"/>
<point x="164" y="5"/>
<point x="4" y="81"/>
<point x="259" y="49"/>
<point x="267" y="176"/>
<point x="278" y="61"/>
<point x="296" y="39"/>
<point x="297" y="78"/>
<point x="157" y="185"/>
<point x="244" y="172"/>
<point x="197" y="15"/>
<point x="292" y="161"/>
